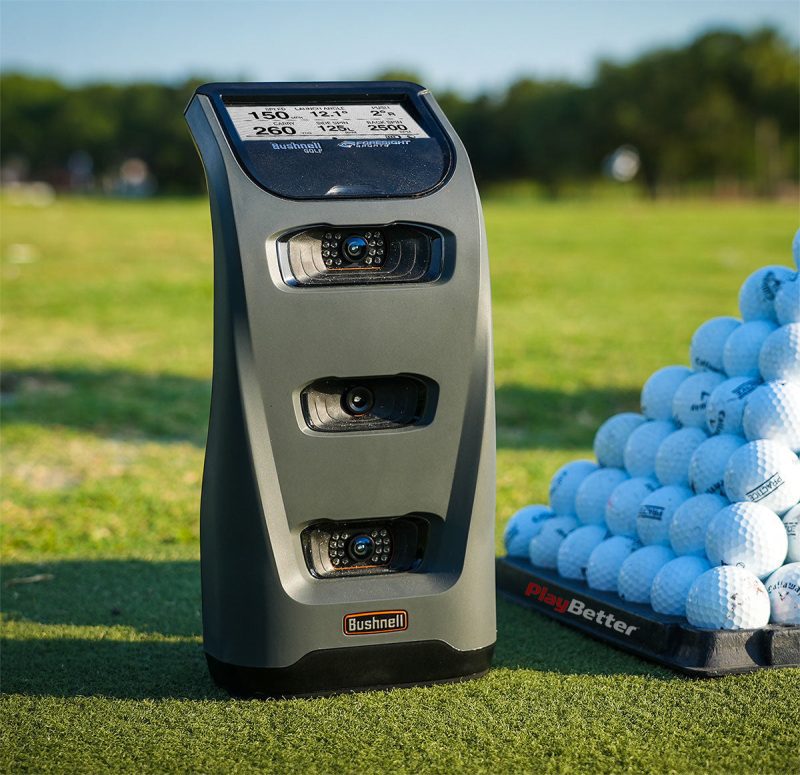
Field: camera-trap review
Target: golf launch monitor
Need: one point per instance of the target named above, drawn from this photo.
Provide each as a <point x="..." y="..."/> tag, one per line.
<point x="347" y="514"/>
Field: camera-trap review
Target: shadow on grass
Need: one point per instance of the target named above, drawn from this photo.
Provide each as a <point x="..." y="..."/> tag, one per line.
<point x="131" y="600"/>
<point x="128" y="404"/>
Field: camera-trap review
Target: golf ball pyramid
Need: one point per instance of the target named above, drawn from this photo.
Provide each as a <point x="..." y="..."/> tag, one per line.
<point x="693" y="505"/>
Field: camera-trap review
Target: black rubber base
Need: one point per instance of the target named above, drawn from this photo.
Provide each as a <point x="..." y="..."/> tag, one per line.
<point x="668" y="640"/>
<point x="358" y="668"/>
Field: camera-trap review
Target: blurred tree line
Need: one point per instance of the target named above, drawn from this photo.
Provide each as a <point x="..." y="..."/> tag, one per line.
<point x="720" y="111"/>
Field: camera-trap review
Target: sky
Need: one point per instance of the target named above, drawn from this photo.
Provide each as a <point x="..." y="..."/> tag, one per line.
<point x="458" y="44"/>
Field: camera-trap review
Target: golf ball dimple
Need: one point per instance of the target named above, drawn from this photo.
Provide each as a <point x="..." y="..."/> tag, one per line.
<point x="672" y="583"/>
<point x="637" y="572"/>
<point x="787" y="301"/>
<point x="594" y="492"/>
<point x="611" y="437"/>
<point x="640" y="450"/>
<point x="783" y="588"/>
<point x="747" y="535"/>
<point x="605" y="561"/>
<point x="543" y="549"/>
<point x="757" y="294"/>
<point x="675" y="453"/>
<point x="573" y="554"/>
<point x="623" y="504"/>
<point x="524" y="525"/>
<point x="727" y="598"/>
<point x="791" y="521"/>
<point x="708" y="342"/>
<point x="765" y="472"/>
<point x="743" y="347"/>
<point x="564" y="485"/>
<point x="687" y="531"/>
<point x="691" y="398"/>
<point x="780" y="354"/>
<point x="656" y="512"/>
<point x="725" y="406"/>
<point x="659" y="390"/>
<point x="708" y="463"/>
<point x="773" y="412"/>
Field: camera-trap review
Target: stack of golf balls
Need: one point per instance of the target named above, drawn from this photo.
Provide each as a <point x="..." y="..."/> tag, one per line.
<point x="692" y="505"/>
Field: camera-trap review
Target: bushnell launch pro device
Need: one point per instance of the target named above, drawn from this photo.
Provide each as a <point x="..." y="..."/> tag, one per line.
<point x="347" y="512"/>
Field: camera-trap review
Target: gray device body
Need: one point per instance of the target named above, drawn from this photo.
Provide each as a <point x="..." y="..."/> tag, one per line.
<point x="283" y="470"/>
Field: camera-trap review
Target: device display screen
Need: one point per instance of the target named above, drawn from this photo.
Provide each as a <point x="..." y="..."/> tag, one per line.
<point x="321" y="122"/>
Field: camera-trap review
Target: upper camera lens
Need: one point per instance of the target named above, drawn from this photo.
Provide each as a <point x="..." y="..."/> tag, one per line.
<point x="361" y="547"/>
<point x="354" y="248"/>
<point x="358" y="400"/>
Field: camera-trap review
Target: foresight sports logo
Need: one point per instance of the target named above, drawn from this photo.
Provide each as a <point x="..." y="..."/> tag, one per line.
<point x="373" y="622"/>
<point x="576" y="607"/>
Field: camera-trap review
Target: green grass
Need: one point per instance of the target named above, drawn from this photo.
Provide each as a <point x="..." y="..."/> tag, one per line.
<point x="107" y="346"/>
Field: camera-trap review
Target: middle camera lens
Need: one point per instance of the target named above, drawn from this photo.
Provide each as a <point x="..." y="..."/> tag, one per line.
<point x="361" y="547"/>
<point x="354" y="248"/>
<point x="358" y="400"/>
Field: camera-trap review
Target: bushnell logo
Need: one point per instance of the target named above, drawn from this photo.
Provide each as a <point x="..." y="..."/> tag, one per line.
<point x="373" y="622"/>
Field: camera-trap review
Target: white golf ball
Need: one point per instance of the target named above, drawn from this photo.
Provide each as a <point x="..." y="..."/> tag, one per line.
<point x="687" y="531"/>
<point x="565" y="482"/>
<point x="672" y="584"/>
<point x="636" y="573"/>
<point x="610" y="439"/>
<point x="659" y="390"/>
<point x="594" y="492"/>
<point x="656" y="512"/>
<point x="691" y="398"/>
<point x="780" y="354"/>
<point x="727" y="598"/>
<point x="773" y="412"/>
<point x="783" y="588"/>
<point x="575" y="549"/>
<point x="675" y="454"/>
<point x="642" y="445"/>
<point x="791" y="521"/>
<point x="748" y="535"/>
<point x="623" y="504"/>
<point x="743" y="347"/>
<point x="605" y="561"/>
<point x="787" y="301"/>
<point x="726" y="404"/>
<point x="765" y="472"/>
<point x="708" y="463"/>
<point x="524" y="525"/>
<point x="757" y="294"/>
<point x="708" y="342"/>
<point x="543" y="549"/>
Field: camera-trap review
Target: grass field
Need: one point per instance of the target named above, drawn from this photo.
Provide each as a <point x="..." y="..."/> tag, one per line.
<point x="107" y="348"/>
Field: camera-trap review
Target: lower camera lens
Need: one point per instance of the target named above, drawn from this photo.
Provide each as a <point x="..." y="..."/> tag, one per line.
<point x="361" y="547"/>
<point x="354" y="248"/>
<point x="358" y="400"/>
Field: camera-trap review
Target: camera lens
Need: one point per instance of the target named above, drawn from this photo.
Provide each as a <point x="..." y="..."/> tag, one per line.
<point x="358" y="400"/>
<point x="361" y="547"/>
<point x="354" y="248"/>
